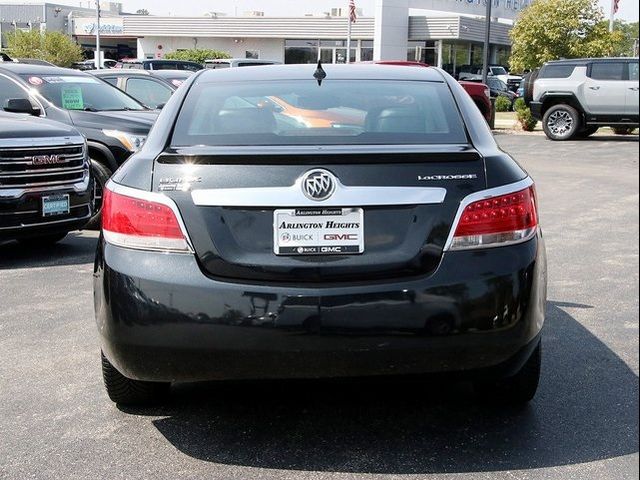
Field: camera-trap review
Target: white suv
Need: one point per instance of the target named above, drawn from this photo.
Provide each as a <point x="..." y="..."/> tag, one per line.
<point x="574" y="98"/>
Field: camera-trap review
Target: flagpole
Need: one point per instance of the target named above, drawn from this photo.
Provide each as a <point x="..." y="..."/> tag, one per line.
<point x="612" y="15"/>
<point x="348" y="60"/>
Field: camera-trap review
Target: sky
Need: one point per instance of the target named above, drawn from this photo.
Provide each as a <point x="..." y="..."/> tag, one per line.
<point x="628" y="8"/>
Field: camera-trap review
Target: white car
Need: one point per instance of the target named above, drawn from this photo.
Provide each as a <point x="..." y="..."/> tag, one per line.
<point x="573" y="98"/>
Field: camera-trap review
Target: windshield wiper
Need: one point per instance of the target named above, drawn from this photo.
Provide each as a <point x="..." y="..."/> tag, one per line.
<point x="89" y="109"/>
<point x="125" y="109"/>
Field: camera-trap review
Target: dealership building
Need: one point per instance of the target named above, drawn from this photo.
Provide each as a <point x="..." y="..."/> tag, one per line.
<point x="450" y="38"/>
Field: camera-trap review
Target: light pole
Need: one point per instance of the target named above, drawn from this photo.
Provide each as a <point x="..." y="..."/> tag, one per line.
<point x="98" y="56"/>
<point x="487" y="43"/>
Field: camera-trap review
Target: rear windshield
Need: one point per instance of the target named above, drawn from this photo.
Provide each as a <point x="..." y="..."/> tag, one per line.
<point x="557" y="71"/>
<point x="338" y="112"/>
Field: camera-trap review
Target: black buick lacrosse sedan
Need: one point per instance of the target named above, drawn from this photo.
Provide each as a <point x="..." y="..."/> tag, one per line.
<point x="304" y="222"/>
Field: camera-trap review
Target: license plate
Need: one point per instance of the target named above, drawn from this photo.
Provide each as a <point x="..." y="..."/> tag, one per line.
<point x="328" y="231"/>
<point x="55" y="205"/>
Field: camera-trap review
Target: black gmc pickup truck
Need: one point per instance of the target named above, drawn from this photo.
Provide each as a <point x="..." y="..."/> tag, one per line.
<point x="46" y="189"/>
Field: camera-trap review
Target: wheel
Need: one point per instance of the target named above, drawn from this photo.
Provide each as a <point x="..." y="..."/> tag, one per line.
<point x="101" y="175"/>
<point x="42" y="240"/>
<point x="521" y="388"/>
<point x="529" y="80"/>
<point x="124" y="391"/>
<point x="561" y="122"/>
<point x="587" y="132"/>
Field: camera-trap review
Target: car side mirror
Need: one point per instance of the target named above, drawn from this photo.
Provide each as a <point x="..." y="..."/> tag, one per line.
<point x="160" y="106"/>
<point x="21" y="105"/>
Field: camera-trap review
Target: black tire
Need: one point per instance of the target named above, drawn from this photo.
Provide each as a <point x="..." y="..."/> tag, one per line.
<point x="42" y="240"/>
<point x="124" y="391"/>
<point x="521" y="388"/>
<point x="561" y="122"/>
<point x="101" y="175"/>
<point x="529" y="80"/>
<point x="587" y="132"/>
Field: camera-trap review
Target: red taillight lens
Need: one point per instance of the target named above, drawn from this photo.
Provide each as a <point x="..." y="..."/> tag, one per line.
<point x="139" y="223"/>
<point x="497" y="220"/>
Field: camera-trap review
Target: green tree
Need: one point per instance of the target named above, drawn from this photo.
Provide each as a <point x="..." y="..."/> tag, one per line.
<point x="54" y="47"/>
<point x="553" y="29"/>
<point x="198" y="55"/>
<point x="629" y="33"/>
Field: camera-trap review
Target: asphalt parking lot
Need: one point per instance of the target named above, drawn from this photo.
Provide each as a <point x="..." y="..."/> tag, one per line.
<point x="56" y="421"/>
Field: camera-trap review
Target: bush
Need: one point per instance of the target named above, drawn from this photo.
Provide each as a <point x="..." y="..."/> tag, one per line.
<point x="519" y="104"/>
<point x="503" y="104"/>
<point x="623" y="130"/>
<point x="54" y="47"/>
<point x="198" y="55"/>
<point x="527" y="121"/>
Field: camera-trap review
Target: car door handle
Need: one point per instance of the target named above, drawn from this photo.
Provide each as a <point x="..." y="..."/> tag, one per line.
<point x="594" y="88"/>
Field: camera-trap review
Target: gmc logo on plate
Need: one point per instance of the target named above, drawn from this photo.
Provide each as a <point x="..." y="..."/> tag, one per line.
<point x="341" y="236"/>
<point x="46" y="160"/>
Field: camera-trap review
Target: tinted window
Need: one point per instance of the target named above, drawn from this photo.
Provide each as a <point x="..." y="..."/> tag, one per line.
<point x="557" y="71"/>
<point x="608" y="71"/>
<point x="302" y="113"/>
<point x="148" y="92"/>
<point x="498" y="71"/>
<point x="8" y="90"/>
<point x="633" y="71"/>
<point x="217" y="66"/>
<point x="81" y="93"/>
<point x="112" y="80"/>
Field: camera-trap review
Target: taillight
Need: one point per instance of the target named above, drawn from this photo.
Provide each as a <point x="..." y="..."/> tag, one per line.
<point x="496" y="221"/>
<point x="134" y="220"/>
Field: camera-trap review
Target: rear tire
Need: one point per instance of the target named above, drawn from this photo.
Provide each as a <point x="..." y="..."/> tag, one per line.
<point x="125" y="391"/>
<point x="42" y="240"/>
<point x="101" y="175"/>
<point x="561" y="122"/>
<point x="521" y="388"/>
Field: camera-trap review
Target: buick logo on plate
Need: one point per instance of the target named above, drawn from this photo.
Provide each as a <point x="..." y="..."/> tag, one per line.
<point x="318" y="184"/>
<point x="46" y="160"/>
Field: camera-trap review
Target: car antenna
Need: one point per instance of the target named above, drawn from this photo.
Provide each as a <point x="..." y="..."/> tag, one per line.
<point x="320" y="74"/>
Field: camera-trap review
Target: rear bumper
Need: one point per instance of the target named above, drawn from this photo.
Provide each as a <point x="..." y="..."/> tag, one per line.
<point x="536" y="110"/>
<point x="161" y="319"/>
<point x="21" y="217"/>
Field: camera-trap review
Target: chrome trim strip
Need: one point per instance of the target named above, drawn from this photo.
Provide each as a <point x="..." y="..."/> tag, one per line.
<point x="293" y="196"/>
<point x="44" y="142"/>
<point x="17" y="192"/>
<point x="13" y="161"/>
<point x="44" y="172"/>
<point x="153" y="197"/>
<point x="484" y="195"/>
<point x="44" y="224"/>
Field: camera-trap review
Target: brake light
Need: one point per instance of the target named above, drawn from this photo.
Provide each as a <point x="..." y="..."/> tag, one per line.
<point x="497" y="221"/>
<point x="134" y="222"/>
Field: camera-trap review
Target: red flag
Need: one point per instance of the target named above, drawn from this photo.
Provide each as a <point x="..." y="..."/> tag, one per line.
<point x="616" y="6"/>
<point x="353" y="14"/>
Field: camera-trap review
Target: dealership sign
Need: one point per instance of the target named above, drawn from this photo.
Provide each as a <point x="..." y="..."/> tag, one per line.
<point x="88" y="26"/>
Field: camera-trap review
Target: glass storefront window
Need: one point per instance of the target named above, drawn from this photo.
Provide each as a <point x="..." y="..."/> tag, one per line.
<point x="301" y="51"/>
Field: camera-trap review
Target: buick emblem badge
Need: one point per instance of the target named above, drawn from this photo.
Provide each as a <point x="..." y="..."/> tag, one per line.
<point x="318" y="184"/>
